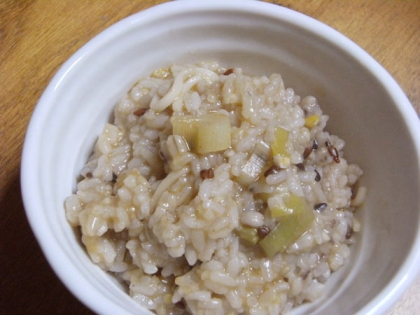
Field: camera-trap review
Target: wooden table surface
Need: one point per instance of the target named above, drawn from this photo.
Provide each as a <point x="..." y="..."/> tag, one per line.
<point x="37" y="36"/>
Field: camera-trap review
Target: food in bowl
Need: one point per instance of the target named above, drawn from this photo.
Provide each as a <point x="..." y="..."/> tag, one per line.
<point x="213" y="191"/>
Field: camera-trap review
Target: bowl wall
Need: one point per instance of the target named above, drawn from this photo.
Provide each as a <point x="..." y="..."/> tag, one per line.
<point x="366" y="108"/>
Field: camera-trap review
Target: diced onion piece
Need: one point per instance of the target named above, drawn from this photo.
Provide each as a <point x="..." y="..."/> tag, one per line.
<point x="185" y="126"/>
<point x="312" y="121"/>
<point x="213" y="133"/>
<point x="253" y="167"/>
<point x="295" y="218"/>
<point x="278" y="147"/>
<point x="204" y="134"/>
<point x="281" y="211"/>
<point x="248" y="234"/>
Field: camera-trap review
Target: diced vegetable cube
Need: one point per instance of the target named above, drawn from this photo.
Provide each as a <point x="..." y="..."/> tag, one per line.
<point x="295" y="218"/>
<point x="312" y="121"/>
<point x="248" y="234"/>
<point x="279" y="144"/>
<point x="204" y="134"/>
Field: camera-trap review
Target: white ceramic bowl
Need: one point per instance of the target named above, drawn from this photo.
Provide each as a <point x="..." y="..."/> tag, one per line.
<point x="366" y="107"/>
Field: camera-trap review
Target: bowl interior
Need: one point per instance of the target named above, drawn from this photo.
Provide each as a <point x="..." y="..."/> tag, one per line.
<point x="262" y="39"/>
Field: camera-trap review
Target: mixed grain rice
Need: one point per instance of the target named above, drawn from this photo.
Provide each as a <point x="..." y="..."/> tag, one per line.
<point x="164" y="219"/>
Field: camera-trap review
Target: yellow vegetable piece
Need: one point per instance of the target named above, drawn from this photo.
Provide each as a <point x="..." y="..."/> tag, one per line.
<point x="204" y="134"/>
<point x="281" y="211"/>
<point x="295" y="218"/>
<point x="312" y="121"/>
<point x="213" y="133"/>
<point x="185" y="126"/>
<point x="248" y="234"/>
<point x="279" y="144"/>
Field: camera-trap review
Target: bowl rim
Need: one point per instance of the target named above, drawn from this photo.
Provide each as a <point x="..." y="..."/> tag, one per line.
<point x="383" y="301"/>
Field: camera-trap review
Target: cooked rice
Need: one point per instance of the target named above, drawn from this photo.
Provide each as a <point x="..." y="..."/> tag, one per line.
<point x="164" y="220"/>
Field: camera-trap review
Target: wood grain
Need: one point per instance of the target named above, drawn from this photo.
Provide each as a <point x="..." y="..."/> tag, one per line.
<point x="37" y="36"/>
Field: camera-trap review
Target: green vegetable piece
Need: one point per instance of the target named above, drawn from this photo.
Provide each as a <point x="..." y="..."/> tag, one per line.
<point x="295" y="218"/>
<point x="204" y="134"/>
<point x="281" y="211"/>
<point x="248" y="234"/>
<point x="278" y="147"/>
